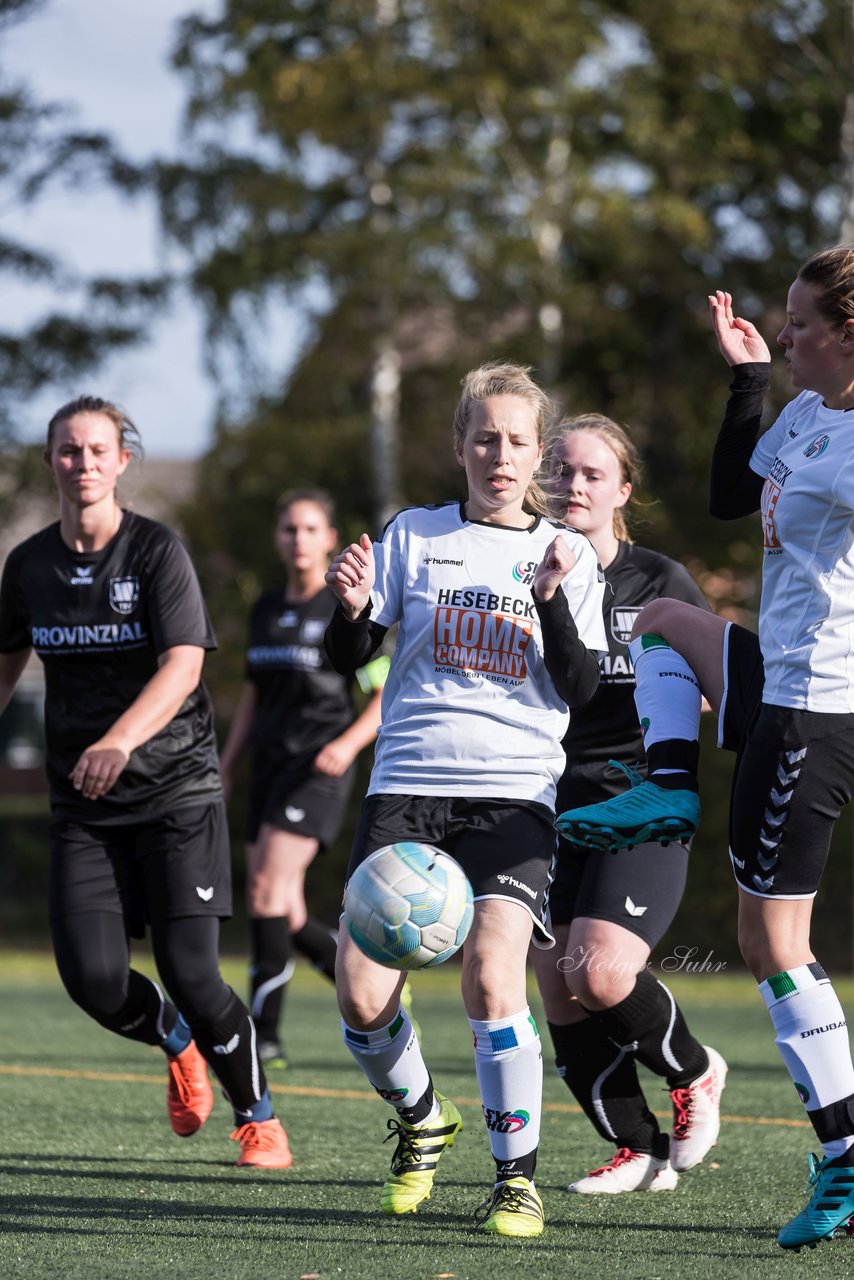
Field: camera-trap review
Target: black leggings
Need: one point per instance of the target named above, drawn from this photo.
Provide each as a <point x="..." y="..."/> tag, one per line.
<point x="93" y="958"/>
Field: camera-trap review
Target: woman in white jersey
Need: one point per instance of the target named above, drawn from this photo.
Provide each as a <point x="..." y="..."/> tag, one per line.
<point x="498" y="611"/>
<point x="606" y="1011"/>
<point x="785" y="701"/>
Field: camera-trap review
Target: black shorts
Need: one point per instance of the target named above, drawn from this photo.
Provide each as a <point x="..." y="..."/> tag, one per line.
<point x="639" y="889"/>
<point x="506" y="847"/>
<point x="159" y="869"/>
<point x="299" y="800"/>
<point x="793" y="775"/>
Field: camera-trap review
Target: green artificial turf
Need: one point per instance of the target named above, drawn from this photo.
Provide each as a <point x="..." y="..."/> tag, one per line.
<point x="93" y="1182"/>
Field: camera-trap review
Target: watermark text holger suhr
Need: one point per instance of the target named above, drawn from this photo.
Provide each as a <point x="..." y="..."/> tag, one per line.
<point x="682" y="959"/>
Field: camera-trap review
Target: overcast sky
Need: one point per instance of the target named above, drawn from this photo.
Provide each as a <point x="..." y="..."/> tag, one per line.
<point x="108" y="62"/>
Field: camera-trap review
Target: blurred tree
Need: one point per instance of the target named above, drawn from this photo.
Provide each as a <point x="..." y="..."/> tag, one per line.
<point x="94" y="317"/>
<point x="436" y="184"/>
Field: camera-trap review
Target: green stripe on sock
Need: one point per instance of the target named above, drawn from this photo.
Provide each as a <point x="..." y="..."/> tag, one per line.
<point x="395" y="1026"/>
<point x="649" y="640"/>
<point x="781" y="984"/>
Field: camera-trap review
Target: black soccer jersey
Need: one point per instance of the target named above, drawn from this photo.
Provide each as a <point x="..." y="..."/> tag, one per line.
<point x="607" y="728"/>
<point x="303" y="703"/>
<point x="99" y="621"/>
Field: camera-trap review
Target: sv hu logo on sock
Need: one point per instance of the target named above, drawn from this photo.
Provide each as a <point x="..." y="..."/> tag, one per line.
<point x="505" y="1121"/>
<point x="392" y="1095"/>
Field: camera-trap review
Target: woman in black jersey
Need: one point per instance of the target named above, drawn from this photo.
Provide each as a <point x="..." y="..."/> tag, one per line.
<point x="110" y="603"/>
<point x="604" y="1008"/>
<point x="298" y="714"/>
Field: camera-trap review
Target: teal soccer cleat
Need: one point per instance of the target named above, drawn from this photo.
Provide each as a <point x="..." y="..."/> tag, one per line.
<point x="831" y="1205"/>
<point x="644" y="812"/>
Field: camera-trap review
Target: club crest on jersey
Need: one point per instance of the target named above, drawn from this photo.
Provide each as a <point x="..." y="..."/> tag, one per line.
<point x="124" y="594"/>
<point x="817" y="447"/>
<point x="622" y="621"/>
<point x="523" y="571"/>
<point x="312" y="630"/>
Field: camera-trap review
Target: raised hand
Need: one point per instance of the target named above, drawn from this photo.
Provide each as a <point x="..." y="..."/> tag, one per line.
<point x="740" y="342"/>
<point x="553" y="568"/>
<point x="351" y="575"/>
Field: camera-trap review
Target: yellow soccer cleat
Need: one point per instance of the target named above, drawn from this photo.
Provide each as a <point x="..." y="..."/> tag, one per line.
<point x="415" y="1158"/>
<point x="513" y="1209"/>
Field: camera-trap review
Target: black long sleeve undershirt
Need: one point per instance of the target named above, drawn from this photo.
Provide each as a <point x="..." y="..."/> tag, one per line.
<point x="734" y="489"/>
<point x="350" y="645"/>
<point x="573" y="668"/>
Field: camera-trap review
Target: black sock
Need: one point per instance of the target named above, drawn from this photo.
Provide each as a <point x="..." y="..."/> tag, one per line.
<point x="644" y="1018"/>
<point x="521" y="1167"/>
<point x="146" y="1014"/>
<point x="269" y="973"/>
<point x="317" y="942"/>
<point x="679" y="754"/>
<point x="226" y="1042"/>
<point x="603" y="1079"/>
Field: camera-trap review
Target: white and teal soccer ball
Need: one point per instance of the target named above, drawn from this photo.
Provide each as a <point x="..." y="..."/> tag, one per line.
<point x="408" y="906"/>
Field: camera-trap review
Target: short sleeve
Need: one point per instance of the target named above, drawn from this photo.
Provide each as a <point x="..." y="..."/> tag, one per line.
<point x="177" y="612"/>
<point x="390" y="562"/>
<point x="584" y="587"/>
<point x="15" y="631"/>
<point x="679" y="585"/>
<point x="768" y="444"/>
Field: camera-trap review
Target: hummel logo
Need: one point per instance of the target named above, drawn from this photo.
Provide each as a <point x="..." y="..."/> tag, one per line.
<point x="205" y="894"/>
<point x="632" y="909"/>
<point x="230" y="1047"/>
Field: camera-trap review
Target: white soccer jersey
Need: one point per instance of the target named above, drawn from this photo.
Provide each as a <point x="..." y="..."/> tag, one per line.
<point x="469" y="707"/>
<point x="806" y="619"/>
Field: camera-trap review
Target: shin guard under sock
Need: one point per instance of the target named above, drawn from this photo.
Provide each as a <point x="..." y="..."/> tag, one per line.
<point x="603" y="1079"/>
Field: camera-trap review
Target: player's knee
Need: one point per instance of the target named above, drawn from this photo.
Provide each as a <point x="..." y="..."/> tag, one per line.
<point x="656" y="617"/>
<point x="600" y="987"/>
<point x="98" y="993"/>
<point x="264" y="895"/>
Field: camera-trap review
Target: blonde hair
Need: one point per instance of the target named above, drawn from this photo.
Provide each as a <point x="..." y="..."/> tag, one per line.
<point x="618" y="441"/>
<point x="503" y="378"/>
<point x="831" y="272"/>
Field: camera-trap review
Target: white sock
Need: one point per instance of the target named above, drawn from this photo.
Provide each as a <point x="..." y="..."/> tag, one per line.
<point x="509" y="1063"/>
<point x="390" y="1058"/>
<point x="812" y="1037"/>
<point x="667" y="694"/>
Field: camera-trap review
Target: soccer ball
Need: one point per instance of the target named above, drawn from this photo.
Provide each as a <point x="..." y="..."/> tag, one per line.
<point x="408" y="906"/>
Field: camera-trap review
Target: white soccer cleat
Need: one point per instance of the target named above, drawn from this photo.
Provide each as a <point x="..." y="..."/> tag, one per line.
<point x="697" y="1114"/>
<point x="628" y="1171"/>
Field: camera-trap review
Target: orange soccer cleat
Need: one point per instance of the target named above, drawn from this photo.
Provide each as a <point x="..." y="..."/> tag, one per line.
<point x="189" y="1096"/>
<point x="263" y="1144"/>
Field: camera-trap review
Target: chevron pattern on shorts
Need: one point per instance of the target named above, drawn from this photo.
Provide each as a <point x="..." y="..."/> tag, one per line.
<point x="774" y="818"/>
